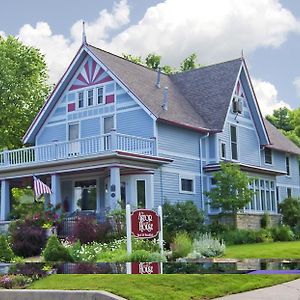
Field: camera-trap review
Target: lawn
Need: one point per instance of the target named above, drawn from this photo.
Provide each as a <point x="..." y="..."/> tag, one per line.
<point x="265" y="250"/>
<point x="153" y="287"/>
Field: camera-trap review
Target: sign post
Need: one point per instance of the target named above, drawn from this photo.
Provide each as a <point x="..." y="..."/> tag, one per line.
<point x="144" y="224"/>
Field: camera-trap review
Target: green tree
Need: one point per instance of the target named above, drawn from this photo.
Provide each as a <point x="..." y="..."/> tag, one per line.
<point x="135" y="59"/>
<point x="231" y="192"/>
<point x="189" y="63"/>
<point x="290" y="210"/>
<point x="23" y="89"/>
<point x="288" y="122"/>
<point x="153" y="61"/>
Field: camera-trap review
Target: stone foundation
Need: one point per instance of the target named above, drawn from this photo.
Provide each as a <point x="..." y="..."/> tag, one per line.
<point x="246" y="220"/>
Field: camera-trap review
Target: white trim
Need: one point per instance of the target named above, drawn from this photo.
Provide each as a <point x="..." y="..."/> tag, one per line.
<point x="222" y="142"/>
<point x="288" y="185"/>
<point x="120" y="83"/>
<point x="187" y="177"/>
<point x="120" y="111"/>
<point x="179" y="171"/>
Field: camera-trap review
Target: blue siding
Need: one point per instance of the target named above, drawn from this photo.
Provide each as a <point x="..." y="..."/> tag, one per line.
<point x="52" y="133"/>
<point x="90" y="127"/>
<point x="135" y="122"/>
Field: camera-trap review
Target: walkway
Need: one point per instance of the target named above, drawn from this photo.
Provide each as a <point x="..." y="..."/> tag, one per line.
<point x="285" y="291"/>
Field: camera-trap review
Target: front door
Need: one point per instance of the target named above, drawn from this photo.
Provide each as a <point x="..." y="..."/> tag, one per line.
<point x="73" y="136"/>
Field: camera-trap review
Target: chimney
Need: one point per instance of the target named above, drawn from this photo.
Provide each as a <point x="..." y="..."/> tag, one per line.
<point x="158" y="77"/>
<point x="165" y="100"/>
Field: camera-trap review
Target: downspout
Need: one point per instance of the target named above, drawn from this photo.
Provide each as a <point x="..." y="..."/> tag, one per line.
<point x="201" y="170"/>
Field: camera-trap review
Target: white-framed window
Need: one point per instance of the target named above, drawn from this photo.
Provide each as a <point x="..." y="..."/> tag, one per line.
<point x="287" y="166"/>
<point x="186" y="184"/>
<point x="100" y="95"/>
<point x="223" y="150"/>
<point x="268" y="156"/>
<point x="90" y="97"/>
<point x="233" y="140"/>
<point x="80" y="99"/>
<point x="289" y="192"/>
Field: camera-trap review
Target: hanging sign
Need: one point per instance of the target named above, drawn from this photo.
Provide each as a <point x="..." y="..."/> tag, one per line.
<point x="145" y="223"/>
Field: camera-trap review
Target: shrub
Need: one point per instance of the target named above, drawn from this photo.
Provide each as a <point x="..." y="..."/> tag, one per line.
<point x="182" y="245"/>
<point x="179" y="217"/>
<point x="290" y="210"/>
<point x="283" y="233"/>
<point x="6" y="254"/>
<point x="87" y="230"/>
<point x="265" y="221"/>
<point x="55" y="251"/>
<point x="243" y="236"/>
<point x="14" y="281"/>
<point x="207" y="246"/>
<point x="145" y="256"/>
<point x="27" y="238"/>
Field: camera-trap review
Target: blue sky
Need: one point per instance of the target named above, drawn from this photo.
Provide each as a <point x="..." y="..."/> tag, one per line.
<point x="268" y="31"/>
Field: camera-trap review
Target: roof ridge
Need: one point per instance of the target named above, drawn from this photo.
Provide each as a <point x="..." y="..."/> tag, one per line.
<point x="123" y="58"/>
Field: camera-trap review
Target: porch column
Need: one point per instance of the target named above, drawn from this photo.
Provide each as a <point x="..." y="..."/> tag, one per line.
<point x="115" y="187"/>
<point x="5" y="200"/>
<point x="55" y="197"/>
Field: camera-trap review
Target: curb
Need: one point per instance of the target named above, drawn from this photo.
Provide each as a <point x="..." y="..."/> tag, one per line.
<point x="57" y="295"/>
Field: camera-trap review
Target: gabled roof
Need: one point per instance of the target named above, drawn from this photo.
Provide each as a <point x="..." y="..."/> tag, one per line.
<point x="209" y="90"/>
<point x="141" y="82"/>
<point x="279" y="141"/>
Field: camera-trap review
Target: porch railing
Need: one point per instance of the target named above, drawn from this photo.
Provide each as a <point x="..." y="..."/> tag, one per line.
<point x="82" y="147"/>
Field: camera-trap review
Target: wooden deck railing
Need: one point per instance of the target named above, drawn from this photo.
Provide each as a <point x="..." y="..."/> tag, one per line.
<point x="82" y="147"/>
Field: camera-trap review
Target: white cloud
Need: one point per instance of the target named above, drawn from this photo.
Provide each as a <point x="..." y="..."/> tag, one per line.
<point x="296" y="84"/>
<point x="60" y="50"/>
<point x="215" y="30"/>
<point x="267" y="96"/>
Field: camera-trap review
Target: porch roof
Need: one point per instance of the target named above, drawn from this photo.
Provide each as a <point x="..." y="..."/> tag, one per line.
<point x="79" y="164"/>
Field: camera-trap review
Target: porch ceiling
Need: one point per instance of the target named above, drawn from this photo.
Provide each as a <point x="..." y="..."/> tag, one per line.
<point x="122" y="159"/>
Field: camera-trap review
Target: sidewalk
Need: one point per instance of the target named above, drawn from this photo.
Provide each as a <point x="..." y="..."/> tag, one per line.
<point x="285" y="291"/>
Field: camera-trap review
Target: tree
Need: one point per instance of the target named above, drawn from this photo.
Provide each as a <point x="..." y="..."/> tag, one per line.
<point x="135" y="59"/>
<point x="231" y="192"/>
<point x="189" y="63"/>
<point x="23" y="89"/>
<point x="290" y="210"/>
<point x="153" y="61"/>
<point x="288" y="122"/>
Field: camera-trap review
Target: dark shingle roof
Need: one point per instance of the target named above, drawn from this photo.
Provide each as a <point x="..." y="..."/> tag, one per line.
<point x="141" y="82"/>
<point x="209" y="90"/>
<point x="279" y="141"/>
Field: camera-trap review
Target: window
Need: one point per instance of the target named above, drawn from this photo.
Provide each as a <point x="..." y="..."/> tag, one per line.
<point x="80" y="99"/>
<point x="223" y="150"/>
<point x="187" y="185"/>
<point x="287" y="166"/>
<point x="268" y="156"/>
<point x="90" y="97"/>
<point x="289" y="192"/>
<point x="108" y="124"/>
<point x="141" y="193"/>
<point x="100" y="95"/>
<point x="233" y="138"/>
<point x="86" y="194"/>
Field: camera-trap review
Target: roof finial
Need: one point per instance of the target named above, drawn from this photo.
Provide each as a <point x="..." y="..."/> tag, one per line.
<point x="83" y="33"/>
<point x="242" y="53"/>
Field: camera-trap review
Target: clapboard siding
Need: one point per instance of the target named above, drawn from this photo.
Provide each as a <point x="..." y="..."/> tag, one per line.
<point x="135" y="122"/>
<point x="90" y="127"/>
<point x="49" y="134"/>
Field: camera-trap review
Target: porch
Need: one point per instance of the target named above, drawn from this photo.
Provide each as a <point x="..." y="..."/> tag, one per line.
<point x="114" y="168"/>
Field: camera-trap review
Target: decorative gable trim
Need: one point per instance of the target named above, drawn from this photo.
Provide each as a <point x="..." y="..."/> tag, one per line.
<point x="90" y="75"/>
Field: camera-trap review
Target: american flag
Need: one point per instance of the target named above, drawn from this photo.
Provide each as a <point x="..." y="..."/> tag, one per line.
<point x="40" y="188"/>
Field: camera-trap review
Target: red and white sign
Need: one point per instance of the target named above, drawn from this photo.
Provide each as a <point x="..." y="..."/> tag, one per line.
<point x="144" y="223"/>
<point x="145" y="268"/>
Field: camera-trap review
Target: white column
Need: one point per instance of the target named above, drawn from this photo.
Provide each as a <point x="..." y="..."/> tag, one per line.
<point x="150" y="192"/>
<point x="5" y="201"/>
<point x="55" y="197"/>
<point x="115" y="187"/>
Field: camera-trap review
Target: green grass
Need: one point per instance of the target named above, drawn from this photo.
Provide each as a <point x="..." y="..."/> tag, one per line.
<point x="264" y="250"/>
<point x="153" y="287"/>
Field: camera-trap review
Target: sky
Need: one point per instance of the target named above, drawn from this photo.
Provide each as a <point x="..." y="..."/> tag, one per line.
<point x="267" y="31"/>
